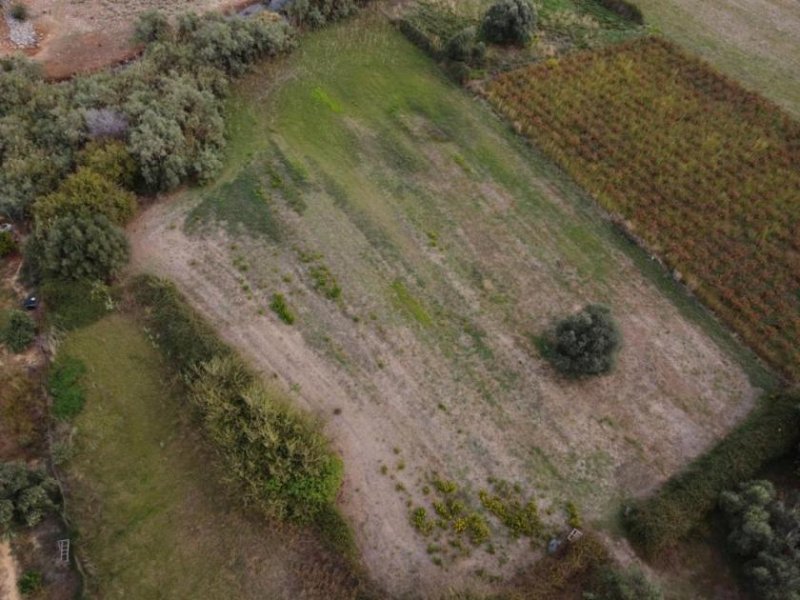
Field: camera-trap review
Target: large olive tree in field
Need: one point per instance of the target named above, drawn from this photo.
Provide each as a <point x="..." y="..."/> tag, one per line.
<point x="585" y="343"/>
<point x="509" y="22"/>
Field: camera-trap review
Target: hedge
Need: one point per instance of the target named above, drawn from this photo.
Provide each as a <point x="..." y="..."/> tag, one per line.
<point x="771" y="431"/>
<point x="278" y="455"/>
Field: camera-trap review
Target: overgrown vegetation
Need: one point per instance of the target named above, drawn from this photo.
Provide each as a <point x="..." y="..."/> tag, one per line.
<point x="768" y="433"/>
<point x="166" y="108"/>
<point x="26" y="495"/>
<point x="87" y="248"/>
<point x="279" y="456"/>
<point x="73" y="304"/>
<point x="585" y="343"/>
<point x="8" y="245"/>
<point x="19" y="331"/>
<point x="673" y="176"/>
<point x="765" y="533"/>
<point x="280" y="307"/>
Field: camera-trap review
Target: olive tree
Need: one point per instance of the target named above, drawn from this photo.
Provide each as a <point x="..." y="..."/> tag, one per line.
<point x="87" y="247"/>
<point x="584" y="343"/>
<point x="509" y="22"/>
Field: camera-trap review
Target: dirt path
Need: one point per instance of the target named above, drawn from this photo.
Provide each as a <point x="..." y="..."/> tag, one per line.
<point x="8" y="573"/>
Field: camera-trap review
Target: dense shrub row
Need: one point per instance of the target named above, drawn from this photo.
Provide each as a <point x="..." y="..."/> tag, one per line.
<point x="278" y="454"/>
<point x="316" y="13"/>
<point x="770" y="432"/>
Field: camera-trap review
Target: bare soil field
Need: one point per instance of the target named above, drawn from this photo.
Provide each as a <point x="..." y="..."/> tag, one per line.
<point x="453" y="245"/>
<point x="79" y="36"/>
<point x="754" y="41"/>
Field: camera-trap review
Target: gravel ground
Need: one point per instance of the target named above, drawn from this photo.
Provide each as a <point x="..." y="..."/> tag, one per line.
<point x="22" y="34"/>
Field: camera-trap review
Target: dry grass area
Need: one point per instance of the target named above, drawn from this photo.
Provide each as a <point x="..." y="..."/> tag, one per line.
<point x="754" y="41"/>
<point x="453" y="245"/>
<point x="79" y="36"/>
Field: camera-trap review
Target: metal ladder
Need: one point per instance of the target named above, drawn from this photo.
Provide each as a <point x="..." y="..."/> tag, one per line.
<point x="63" y="551"/>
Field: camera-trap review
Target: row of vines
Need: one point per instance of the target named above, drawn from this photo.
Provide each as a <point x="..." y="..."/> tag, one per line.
<point x="704" y="173"/>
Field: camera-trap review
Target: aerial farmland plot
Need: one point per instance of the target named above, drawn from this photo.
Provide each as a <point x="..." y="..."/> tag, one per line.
<point x="419" y="249"/>
<point x="419" y="299"/>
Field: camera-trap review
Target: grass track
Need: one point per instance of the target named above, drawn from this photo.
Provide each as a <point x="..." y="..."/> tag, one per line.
<point x="153" y="521"/>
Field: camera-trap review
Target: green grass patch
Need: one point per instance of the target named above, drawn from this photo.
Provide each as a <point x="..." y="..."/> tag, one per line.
<point x="409" y="305"/>
<point x="242" y="204"/>
<point x="280" y="307"/>
<point x="64" y="383"/>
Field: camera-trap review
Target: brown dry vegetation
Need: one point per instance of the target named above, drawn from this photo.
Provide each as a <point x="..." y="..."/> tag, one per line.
<point x="453" y="245"/>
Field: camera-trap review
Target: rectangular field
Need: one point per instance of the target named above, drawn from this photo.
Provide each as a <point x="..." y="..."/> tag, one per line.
<point x="421" y="247"/>
<point x="706" y="174"/>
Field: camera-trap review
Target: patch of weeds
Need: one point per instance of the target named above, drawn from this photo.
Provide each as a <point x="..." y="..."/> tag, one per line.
<point x="520" y="518"/>
<point x="325" y="282"/>
<point x="30" y="583"/>
<point x="384" y="470"/>
<point x="573" y="516"/>
<point x="401" y="465"/>
<point x="399" y="487"/>
<point x="421" y="522"/>
<point x="444" y="486"/>
<point x="64" y="385"/>
<point x="449" y="509"/>
<point x="477" y="529"/>
<point x="405" y="301"/>
<point x="433" y="239"/>
<point x="281" y="308"/>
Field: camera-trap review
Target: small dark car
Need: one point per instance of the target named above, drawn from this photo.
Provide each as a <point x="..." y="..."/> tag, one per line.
<point x="31" y="302"/>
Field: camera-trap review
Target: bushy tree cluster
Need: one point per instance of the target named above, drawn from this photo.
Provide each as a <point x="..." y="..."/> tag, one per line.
<point x="585" y="343"/>
<point x="166" y="108"/>
<point x="509" y="22"/>
<point x="40" y="131"/>
<point x="85" y="247"/>
<point x="316" y="13"/>
<point x="19" y="331"/>
<point x="765" y="532"/>
<point x="26" y="495"/>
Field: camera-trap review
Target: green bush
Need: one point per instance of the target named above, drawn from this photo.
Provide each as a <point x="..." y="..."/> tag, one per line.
<point x="19" y="332"/>
<point x="30" y="583"/>
<point x="19" y="11"/>
<point x="280" y="457"/>
<point x="465" y="47"/>
<point x="316" y="13"/>
<point x="152" y="26"/>
<point x="85" y="248"/>
<point x="509" y="22"/>
<point x="769" y="432"/>
<point x="85" y="193"/>
<point x="26" y="495"/>
<point x="8" y="244"/>
<point x="111" y="160"/>
<point x="74" y="304"/>
<point x="585" y="343"/>
<point x="280" y="307"/>
<point x="64" y="385"/>
<point x="765" y="533"/>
